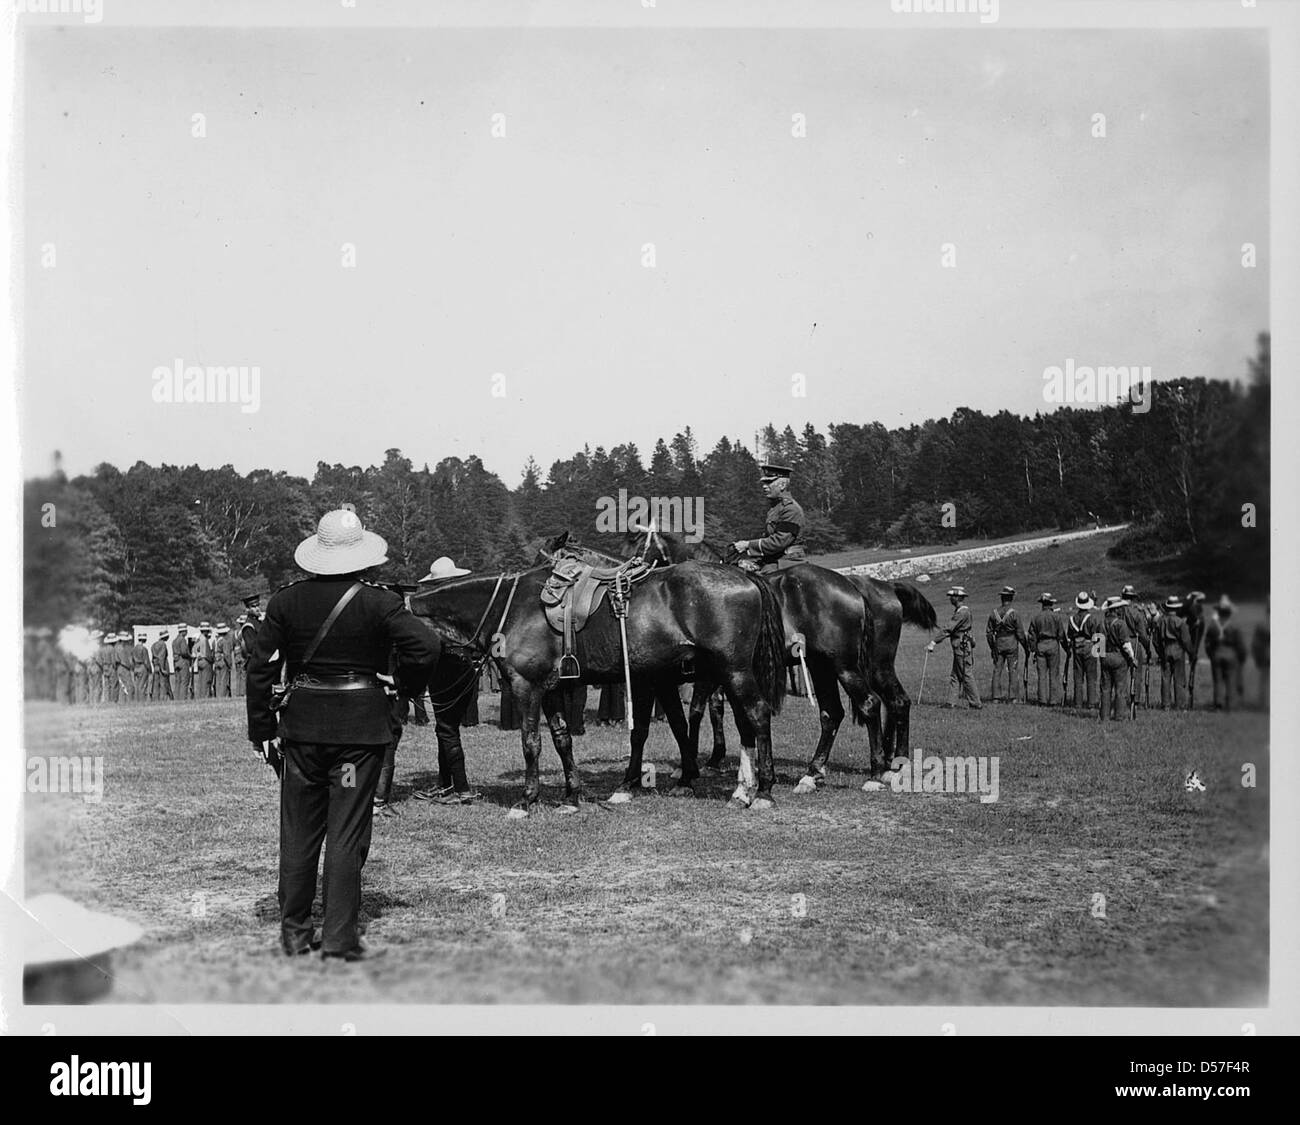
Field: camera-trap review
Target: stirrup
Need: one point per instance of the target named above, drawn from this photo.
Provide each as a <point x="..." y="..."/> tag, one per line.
<point x="569" y="668"/>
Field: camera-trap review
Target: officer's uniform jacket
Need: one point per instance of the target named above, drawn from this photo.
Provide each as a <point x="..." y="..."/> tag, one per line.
<point x="958" y="630"/>
<point x="782" y="534"/>
<point x="358" y="644"/>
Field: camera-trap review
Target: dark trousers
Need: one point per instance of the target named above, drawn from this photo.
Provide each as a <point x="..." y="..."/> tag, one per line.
<point x="613" y="704"/>
<point x="319" y="806"/>
<point x="182" y="681"/>
<point x="451" y="754"/>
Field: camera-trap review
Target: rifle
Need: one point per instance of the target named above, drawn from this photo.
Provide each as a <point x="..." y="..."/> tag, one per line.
<point x="1065" y="677"/>
<point x="1132" y="694"/>
<point x="1146" y="682"/>
<point x="1024" y="680"/>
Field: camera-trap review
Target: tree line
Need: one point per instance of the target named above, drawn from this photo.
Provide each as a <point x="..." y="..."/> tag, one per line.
<point x="162" y="543"/>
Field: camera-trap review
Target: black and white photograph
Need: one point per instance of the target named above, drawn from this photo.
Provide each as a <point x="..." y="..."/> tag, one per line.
<point x="650" y="518"/>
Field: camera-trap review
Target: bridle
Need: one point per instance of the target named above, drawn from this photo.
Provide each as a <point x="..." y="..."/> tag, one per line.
<point x="471" y="674"/>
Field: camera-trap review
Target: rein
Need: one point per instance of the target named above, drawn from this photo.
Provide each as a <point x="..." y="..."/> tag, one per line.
<point x="471" y="674"/>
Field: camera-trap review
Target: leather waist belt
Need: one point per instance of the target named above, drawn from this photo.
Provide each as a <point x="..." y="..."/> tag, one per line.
<point x="351" y="681"/>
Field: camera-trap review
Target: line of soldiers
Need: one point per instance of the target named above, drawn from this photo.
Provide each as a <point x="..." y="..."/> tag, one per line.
<point x="123" y="667"/>
<point x="1097" y="656"/>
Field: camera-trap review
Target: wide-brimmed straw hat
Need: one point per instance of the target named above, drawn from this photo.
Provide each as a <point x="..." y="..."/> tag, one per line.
<point x="1083" y="601"/>
<point x="1115" y="602"/>
<point x="443" y="568"/>
<point x="340" y="546"/>
<point x="1173" y="602"/>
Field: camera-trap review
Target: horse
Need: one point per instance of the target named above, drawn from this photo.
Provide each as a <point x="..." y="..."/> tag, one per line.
<point x="888" y="606"/>
<point x="726" y="623"/>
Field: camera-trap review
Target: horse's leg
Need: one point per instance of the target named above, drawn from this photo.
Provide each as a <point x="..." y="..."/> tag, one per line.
<point x="831" y="714"/>
<point x="642" y="701"/>
<point x="529" y="699"/>
<point x="717" y="717"/>
<point x="701" y="693"/>
<point x="553" y="706"/>
<point x="753" y="721"/>
<point x="898" y="707"/>
<point x="690" y="766"/>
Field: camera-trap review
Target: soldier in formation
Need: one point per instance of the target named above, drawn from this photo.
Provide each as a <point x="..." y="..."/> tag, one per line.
<point x="1047" y="639"/>
<point x="1005" y="636"/>
<point x="1226" y="648"/>
<point x="1118" y="661"/>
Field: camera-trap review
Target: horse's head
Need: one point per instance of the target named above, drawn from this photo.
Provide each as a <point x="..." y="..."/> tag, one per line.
<point x="663" y="548"/>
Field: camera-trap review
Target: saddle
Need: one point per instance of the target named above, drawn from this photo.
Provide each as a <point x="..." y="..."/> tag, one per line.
<point x="574" y="590"/>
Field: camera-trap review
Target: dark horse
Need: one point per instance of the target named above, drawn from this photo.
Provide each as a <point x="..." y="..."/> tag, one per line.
<point x="724" y="622"/>
<point x="851" y="626"/>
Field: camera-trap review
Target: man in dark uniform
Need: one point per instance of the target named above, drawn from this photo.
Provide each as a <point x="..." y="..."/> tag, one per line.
<point x="1174" y="642"/>
<point x="1118" y="662"/>
<point x="334" y="633"/>
<point x="247" y="634"/>
<point x="158" y="654"/>
<point x="1005" y="635"/>
<point x="237" y="657"/>
<point x="181" y="662"/>
<point x="1047" y="638"/>
<point x="958" y="632"/>
<point x="783" y="533"/>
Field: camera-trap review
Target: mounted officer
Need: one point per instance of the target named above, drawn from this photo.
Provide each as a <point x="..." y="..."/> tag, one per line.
<point x="958" y="632"/>
<point x="334" y="634"/>
<point x="783" y="533"/>
<point x="1005" y="634"/>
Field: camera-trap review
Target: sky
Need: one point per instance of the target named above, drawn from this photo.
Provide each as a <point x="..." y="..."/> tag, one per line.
<point x="516" y="264"/>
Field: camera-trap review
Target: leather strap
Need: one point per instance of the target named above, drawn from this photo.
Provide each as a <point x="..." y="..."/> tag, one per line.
<point x="328" y="624"/>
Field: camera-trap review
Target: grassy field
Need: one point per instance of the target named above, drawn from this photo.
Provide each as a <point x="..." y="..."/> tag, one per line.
<point x="906" y="898"/>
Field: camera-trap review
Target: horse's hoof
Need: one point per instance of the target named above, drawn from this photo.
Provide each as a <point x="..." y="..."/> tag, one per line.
<point x="518" y="812"/>
<point x="762" y="804"/>
<point x="619" y="797"/>
<point x="737" y="803"/>
<point x="715" y="767"/>
<point x="567" y="810"/>
<point x="807" y="784"/>
<point x="872" y="786"/>
<point x="682" y="790"/>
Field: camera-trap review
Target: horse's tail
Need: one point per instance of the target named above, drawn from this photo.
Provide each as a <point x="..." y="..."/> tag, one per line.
<point x="917" y="609"/>
<point x="769" y="652"/>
